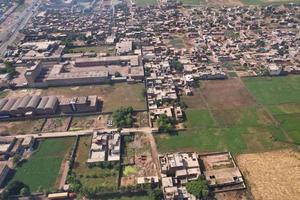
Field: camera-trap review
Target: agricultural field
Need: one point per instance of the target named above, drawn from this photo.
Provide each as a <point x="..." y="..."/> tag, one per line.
<point x="145" y="2"/>
<point x="92" y="177"/>
<point x="110" y="95"/>
<point x="192" y="2"/>
<point x="279" y="170"/>
<point x="281" y="97"/>
<point x="21" y="127"/>
<point x="42" y="169"/>
<point x="224" y="118"/>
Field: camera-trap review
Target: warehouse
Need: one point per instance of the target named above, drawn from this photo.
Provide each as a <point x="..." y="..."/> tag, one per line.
<point x="22" y="105"/>
<point x="14" y="108"/>
<point x="79" y="104"/>
<point x="33" y="103"/>
<point x="51" y="105"/>
<point x="40" y="110"/>
<point x="6" y="108"/>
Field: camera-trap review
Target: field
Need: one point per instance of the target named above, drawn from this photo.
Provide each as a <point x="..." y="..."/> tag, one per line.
<point x="281" y="97"/>
<point x="192" y="2"/>
<point x="113" y="96"/>
<point x="56" y="124"/>
<point x="266" y="2"/>
<point x="21" y="127"/>
<point x="145" y="2"/>
<point x="226" y="120"/>
<point x="92" y="177"/>
<point x="97" y="49"/>
<point x="272" y="175"/>
<point x="42" y="169"/>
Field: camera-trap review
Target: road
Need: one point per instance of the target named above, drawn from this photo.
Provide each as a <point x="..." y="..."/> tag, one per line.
<point x="9" y="35"/>
<point x="83" y="132"/>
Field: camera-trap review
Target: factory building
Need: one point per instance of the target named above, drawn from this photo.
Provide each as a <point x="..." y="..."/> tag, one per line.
<point x="79" y="104"/>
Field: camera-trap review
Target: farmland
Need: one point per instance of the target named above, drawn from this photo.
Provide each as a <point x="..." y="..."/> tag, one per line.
<point x="281" y="96"/>
<point x="42" y="169"/>
<point x="225" y="118"/>
<point x="145" y="2"/>
<point x="109" y="94"/>
<point x="92" y="177"/>
<point x="278" y="169"/>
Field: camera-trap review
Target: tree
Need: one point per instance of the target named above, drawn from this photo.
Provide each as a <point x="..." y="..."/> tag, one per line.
<point x="16" y="159"/>
<point x="123" y="117"/>
<point x="165" y="123"/>
<point x="198" y="188"/>
<point x="118" y="74"/>
<point x="15" y="187"/>
<point x="25" y="191"/>
<point x="175" y="64"/>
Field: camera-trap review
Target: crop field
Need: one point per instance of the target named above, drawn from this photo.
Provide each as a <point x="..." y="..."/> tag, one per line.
<point x="272" y="175"/>
<point x="43" y="167"/>
<point x="281" y="97"/>
<point x="192" y="2"/>
<point x="92" y="177"/>
<point x="113" y="96"/>
<point x="226" y="120"/>
<point x="145" y="2"/>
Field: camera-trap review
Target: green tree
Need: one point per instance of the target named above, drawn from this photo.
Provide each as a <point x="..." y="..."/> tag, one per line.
<point x="118" y="74"/>
<point x="165" y="123"/>
<point x="175" y="64"/>
<point x="198" y="188"/>
<point x="123" y="117"/>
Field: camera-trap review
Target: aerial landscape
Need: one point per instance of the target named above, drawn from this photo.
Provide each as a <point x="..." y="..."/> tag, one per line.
<point x="150" y="99"/>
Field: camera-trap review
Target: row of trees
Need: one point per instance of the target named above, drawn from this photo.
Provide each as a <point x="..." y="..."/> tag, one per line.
<point x="9" y="69"/>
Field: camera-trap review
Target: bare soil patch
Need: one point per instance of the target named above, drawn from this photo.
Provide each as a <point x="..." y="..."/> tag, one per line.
<point x="226" y="94"/>
<point x="21" y="127"/>
<point x="272" y="175"/>
<point x="57" y="124"/>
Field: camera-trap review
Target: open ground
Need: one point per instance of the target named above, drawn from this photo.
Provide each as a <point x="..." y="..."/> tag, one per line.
<point x="42" y="169"/>
<point x="223" y="115"/>
<point x="272" y="175"/>
<point x="92" y="177"/>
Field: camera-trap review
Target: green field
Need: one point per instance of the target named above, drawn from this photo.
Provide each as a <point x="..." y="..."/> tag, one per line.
<point x="92" y="177"/>
<point x="281" y="96"/>
<point x="242" y="129"/>
<point x="145" y="2"/>
<point x="267" y="2"/>
<point x="97" y="49"/>
<point x="42" y="169"/>
<point x="192" y="2"/>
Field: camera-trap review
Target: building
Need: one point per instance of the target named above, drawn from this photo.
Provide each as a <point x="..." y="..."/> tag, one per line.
<point x="79" y="104"/>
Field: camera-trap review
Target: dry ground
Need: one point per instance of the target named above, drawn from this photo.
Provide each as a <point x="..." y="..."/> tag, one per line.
<point x="226" y="94"/>
<point x="56" y="124"/>
<point x="233" y="195"/>
<point x="272" y="175"/>
<point x="21" y="127"/>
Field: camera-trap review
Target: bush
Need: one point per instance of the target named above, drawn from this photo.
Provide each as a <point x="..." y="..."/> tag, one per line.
<point x="123" y="117"/>
<point x="165" y="124"/>
<point x="198" y="188"/>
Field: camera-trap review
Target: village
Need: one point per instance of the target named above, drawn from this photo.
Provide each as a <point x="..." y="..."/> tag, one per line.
<point x="156" y="102"/>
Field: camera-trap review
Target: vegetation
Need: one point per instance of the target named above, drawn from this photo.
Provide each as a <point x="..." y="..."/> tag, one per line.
<point x="123" y="117"/>
<point x="198" y="188"/>
<point x="15" y="188"/>
<point x="42" y="168"/>
<point x="165" y="124"/>
<point x="17" y="158"/>
<point x="175" y="64"/>
<point x="145" y="2"/>
<point x="9" y="69"/>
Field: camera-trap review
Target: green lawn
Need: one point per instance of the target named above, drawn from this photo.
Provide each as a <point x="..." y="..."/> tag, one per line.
<point x="97" y="49"/>
<point x="199" y="118"/>
<point x="92" y="177"/>
<point x="145" y="2"/>
<point x="42" y="169"/>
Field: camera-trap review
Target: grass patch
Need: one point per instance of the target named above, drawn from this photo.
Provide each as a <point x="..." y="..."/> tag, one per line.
<point x="129" y="170"/>
<point x="199" y="118"/>
<point x="268" y="2"/>
<point x="97" y="49"/>
<point x="92" y="177"/>
<point x="42" y="169"/>
<point x="192" y="2"/>
<point x="145" y="2"/>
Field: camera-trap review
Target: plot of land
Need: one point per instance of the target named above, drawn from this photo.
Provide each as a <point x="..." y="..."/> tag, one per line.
<point x="266" y="2"/>
<point x="42" y="169"/>
<point x="145" y="2"/>
<point x="97" y="49"/>
<point x="272" y="175"/>
<point x="21" y="127"/>
<point x="92" y="177"/>
<point x="56" y="124"/>
<point x="113" y="96"/>
<point x="192" y="2"/>
<point x="226" y="94"/>
<point x="180" y="41"/>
